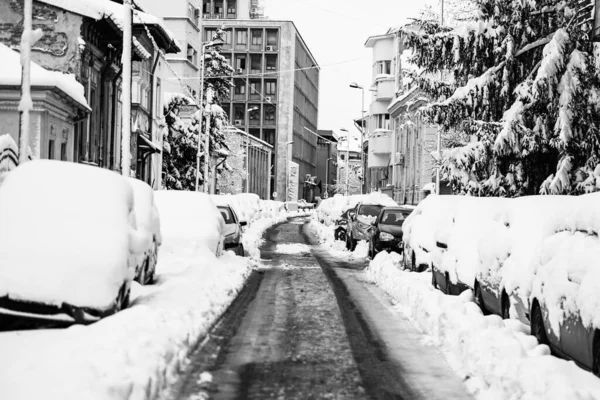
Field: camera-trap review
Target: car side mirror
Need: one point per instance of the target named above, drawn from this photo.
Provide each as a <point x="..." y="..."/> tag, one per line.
<point x="243" y="223"/>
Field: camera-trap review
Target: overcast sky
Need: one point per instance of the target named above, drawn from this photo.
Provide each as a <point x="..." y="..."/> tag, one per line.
<point x="335" y="32"/>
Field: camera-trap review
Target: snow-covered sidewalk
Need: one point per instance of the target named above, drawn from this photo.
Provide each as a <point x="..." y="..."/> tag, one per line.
<point x="136" y="353"/>
<point x="497" y="358"/>
<point x="337" y="248"/>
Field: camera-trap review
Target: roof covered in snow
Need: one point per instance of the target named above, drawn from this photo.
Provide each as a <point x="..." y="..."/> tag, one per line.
<point x="100" y="9"/>
<point x="10" y="75"/>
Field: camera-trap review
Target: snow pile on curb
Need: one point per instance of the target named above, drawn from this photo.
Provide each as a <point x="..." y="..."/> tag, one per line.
<point x="332" y="208"/>
<point x="137" y="353"/>
<point x="325" y="237"/>
<point x="497" y="358"/>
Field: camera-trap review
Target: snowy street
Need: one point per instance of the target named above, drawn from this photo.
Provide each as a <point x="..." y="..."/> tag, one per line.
<point x="308" y="325"/>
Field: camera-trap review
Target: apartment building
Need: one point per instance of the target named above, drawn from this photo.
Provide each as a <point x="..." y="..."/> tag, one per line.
<point x="385" y="68"/>
<point x="276" y="89"/>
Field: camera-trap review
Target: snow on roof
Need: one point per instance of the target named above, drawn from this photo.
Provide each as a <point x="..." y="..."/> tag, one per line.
<point x="10" y="75"/>
<point x="403" y="97"/>
<point x="99" y="9"/>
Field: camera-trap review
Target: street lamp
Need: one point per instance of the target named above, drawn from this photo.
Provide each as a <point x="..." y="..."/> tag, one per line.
<point x="215" y="42"/>
<point x="355" y="85"/>
<point x="248" y="152"/>
<point x="347" y="159"/>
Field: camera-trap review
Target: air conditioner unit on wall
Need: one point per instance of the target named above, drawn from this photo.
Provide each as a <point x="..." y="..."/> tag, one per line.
<point x="268" y="99"/>
<point x="239" y="122"/>
<point x="270" y="48"/>
<point x="239" y="70"/>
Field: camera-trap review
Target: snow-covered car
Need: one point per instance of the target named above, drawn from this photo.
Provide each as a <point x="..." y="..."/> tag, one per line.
<point x="148" y="220"/>
<point x="386" y="232"/>
<point x="304" y="205"/>
<point x="360" y="220"/>
<point x="509" y="244"/>
<point x="190" y="223"/>
<point x="565" y="300"/>
<point x="68" y="242"/>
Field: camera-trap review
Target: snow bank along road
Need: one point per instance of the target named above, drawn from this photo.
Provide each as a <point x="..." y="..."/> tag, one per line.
<point x="309" y="326"/>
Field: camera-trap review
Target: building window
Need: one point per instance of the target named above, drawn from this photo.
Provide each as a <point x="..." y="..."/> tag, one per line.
<point x="255" y="90"/>
<point x="51" y="149"/>
<point x="240" y="64"/>
<point x="218" y="9"/>
<point x="238" y="112"/>
<point x="271" y="64"/>
<point x="63" y="151"/>
<point x="257" y="38"/>
<point x="206" y="8"/>
<point x="193" y="14"/>
<point x="191" y="54"/>
<point x="210" y="34"/>
<point x="241" y="36"/>
<point x="254" y="116"/>
<point x="269" y="136"/>
<point x="272" y="37"/>
<point x="271" y="88"/>
<point x="231" y="9"/>
<point x="256" y="63"/>
<point x="382" y="121"/>
<point x="240" y="86"/>
<point x="269" y="115"/>
<point x="227" y="38"/>
<point x="383" y="67"/>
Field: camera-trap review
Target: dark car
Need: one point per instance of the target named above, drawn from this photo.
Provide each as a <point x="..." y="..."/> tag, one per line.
<point x="361" y="218"/>
<point x="386" y="232"/>
<point x="233" y="230"/>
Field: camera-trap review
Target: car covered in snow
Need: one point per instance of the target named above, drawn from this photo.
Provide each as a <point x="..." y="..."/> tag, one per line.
<point x="233" y="224"/>
<point x="565" y="301"/>
<point x="360" y="220"/>
<point x="386" y="231"/>
<point x="148" y="220"/>
<point x="304" y="205"/>
<point x="68" y="242"/>
<point x="191" y="224"/>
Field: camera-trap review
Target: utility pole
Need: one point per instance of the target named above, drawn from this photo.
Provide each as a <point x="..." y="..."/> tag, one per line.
<point x="126" y="59"/>
<point x="26" y="102"/>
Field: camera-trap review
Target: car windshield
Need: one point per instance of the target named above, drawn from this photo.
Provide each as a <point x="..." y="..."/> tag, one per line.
<point x="394" y="217"/>
<point x="369" y="210"/>
<point x="227" y="215"/>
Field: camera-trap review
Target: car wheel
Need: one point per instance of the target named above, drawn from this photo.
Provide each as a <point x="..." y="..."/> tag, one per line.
<point x="371" y="255"/>
<point x="478" y="297"/>
<point x="537" y="324"/>
<point x="448" y="290"/>
<point x="241" y="250"/>
<point x="348" y="245"/>
<point x="505" y="306"/>
<point x="353" y="244"/>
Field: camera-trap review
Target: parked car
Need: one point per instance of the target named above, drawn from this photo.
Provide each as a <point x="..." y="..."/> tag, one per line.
<point x="68" y="242"/>
<point x="360" y="220"/>
<point x="341" y="226"/>
<point x="233" y="230"/>
<point x="565" y="297"/>
<point x="147" y="220"/>
<point x="190" y="224"/>
<point x="304" y="205"/>
<point x="386" y="232"/>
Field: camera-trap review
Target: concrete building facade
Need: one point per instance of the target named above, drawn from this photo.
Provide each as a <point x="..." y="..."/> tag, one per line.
<point x="275" y="93"/>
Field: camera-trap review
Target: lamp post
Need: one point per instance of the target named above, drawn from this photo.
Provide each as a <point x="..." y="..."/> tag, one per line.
<point x="347" y="160"/>
<point x="248" y="151"/>
<point x="355" y="85"/>
<point x="212" y="43"/>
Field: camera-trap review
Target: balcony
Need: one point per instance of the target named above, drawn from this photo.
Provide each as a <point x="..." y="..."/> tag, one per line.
<point x="381" y="142"/>
<point x="385" y="88"/>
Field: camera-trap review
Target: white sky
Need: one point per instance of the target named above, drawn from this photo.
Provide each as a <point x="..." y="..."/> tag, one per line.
<point x="335" y="32"/>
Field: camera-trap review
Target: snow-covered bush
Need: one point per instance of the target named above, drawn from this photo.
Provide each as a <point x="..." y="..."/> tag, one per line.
<point x="67" y="235"/>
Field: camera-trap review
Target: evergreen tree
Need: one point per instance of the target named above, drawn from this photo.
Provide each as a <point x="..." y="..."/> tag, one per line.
<point x="181" y="141"/>
<point x="524" y="91"/>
